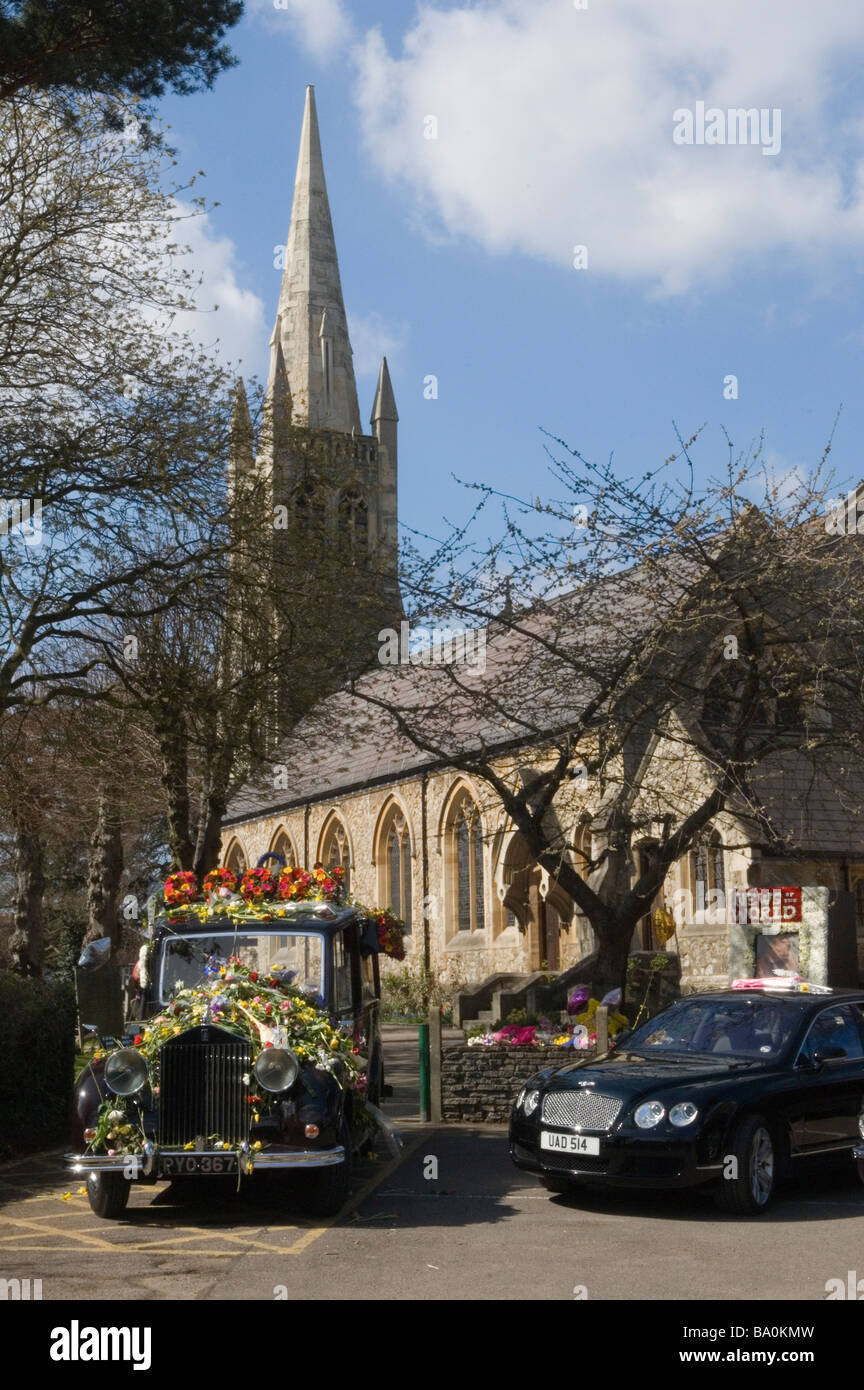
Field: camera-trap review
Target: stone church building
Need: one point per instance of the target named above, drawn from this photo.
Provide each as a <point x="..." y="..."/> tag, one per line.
<point x="410" y="833"/>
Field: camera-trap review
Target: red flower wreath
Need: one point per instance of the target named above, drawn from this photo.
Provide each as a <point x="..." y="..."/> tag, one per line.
<point x="181" y="888"/>
<point x="391" y="931"/>
<point x="220" y="878"/>
<point x="257" y="884"/>
<point x="294" y="884"/>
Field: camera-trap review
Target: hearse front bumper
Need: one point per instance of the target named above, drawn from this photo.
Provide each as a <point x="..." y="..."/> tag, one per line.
<point x="155" y="1162"/>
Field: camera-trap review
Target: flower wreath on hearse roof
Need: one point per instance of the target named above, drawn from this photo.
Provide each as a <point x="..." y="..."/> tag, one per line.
<point x="262" y="894"/>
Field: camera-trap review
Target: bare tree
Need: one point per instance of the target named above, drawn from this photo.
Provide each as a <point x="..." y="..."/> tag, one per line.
<point x="113" y="428"/>
<point x="654" y="653"/>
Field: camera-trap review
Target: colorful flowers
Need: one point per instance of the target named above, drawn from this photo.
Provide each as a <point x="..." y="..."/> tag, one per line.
<point x="257" y="884"/>
<point x="222" y="881"/>
<point x="321" y="885"/>
<point x="294" y="884"/>
<point x="181" y="888"/>
<point x="391" y="932"/>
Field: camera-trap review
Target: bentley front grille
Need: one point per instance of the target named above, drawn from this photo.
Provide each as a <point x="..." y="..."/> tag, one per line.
<point x="203" y="1088"/>
<point x="580" y="1110"/>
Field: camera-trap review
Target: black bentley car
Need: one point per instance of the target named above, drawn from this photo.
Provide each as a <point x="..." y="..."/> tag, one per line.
<point x="732" y="1088"/>
<point x="208" y="1077"/>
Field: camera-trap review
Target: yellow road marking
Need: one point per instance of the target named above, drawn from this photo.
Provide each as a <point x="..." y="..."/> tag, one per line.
<point x="98" y="1241"/>
<point x="185" y="1236"/>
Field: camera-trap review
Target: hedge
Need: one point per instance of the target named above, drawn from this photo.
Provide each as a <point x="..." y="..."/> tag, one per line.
<point x="37" y="1055"/>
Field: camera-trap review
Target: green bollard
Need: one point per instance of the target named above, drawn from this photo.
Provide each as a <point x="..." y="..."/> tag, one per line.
<point x="425" y="1092"/>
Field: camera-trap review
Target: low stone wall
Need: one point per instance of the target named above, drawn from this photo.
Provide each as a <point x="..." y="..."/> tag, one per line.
<point x="479" y="1084"/>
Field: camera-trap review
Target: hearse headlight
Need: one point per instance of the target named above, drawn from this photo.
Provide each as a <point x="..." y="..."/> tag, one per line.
<point x="276" y="1069"/>
<point x="649" y="1114"/>
<point x="125" y="1071"/>
<point x="529" y="1100"/>
<point x="683" y="1114"/>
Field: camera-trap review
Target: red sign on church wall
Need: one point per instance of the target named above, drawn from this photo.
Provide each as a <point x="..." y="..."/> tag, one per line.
<point x="768" y="906"/>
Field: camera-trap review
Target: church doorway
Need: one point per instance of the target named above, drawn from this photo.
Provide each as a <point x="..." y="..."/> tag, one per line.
<point x="550" y="938"/>
<point x="541" y="920"/>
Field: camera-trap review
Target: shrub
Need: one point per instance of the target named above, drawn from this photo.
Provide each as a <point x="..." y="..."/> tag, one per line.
<point x="37" y="1050"/>
<point x="408" y="992"/>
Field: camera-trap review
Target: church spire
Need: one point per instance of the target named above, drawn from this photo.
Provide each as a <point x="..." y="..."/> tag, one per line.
<point x="311" y="323"/>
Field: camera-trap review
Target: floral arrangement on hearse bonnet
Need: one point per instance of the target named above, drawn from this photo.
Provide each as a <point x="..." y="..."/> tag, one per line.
<point x="260" y="1006"/>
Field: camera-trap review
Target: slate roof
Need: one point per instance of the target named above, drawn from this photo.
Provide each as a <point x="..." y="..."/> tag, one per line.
<point x="814" y="808"/>
<point x="347" y="742"/>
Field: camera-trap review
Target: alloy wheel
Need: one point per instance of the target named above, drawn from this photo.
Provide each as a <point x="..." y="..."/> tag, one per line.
<point x="761" y="1167"/>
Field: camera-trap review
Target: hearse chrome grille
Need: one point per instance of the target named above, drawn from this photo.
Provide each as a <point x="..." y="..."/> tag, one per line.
<point x="202" y="1090"/>
<point x="580" y="1109"/>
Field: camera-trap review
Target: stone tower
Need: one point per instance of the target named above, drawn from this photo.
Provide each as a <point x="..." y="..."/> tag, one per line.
<point x="332" y="488"/>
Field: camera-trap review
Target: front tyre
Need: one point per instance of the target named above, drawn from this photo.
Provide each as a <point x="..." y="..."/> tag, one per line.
<point x="108" y="1194"/>
<point x="752" y="1164"/>
<point x="324" y="1191"/>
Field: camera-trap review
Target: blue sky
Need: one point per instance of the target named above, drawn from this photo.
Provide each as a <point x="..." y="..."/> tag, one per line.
<point x="555" y="129"/>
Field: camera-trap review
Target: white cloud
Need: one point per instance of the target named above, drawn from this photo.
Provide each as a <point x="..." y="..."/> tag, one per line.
<point x="239" y="322"/>
<point x="323" y="27"/>
<point x="371" y="339"/>
<point x="555" y="130"/>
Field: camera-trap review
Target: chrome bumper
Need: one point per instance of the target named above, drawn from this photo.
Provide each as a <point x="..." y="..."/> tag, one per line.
<point x="150" y="1163"/>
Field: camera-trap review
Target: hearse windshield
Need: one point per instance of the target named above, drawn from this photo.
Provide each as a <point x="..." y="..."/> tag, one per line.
<point x="755" y="1028"/>
<point x="188" y="961"/>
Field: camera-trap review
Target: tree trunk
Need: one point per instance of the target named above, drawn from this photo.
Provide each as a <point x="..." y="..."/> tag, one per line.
<point x="214" y="794"/>
<point x="613" y="950"/>
<point x="103" y="882"/>
<point x="174" y="753"/>
<point x="26" y="945"/>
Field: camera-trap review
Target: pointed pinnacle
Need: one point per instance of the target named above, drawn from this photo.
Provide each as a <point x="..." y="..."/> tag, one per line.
<point x="240" y="428"/>
<point x="385" y="402"/>
<point x="280" y="387"/>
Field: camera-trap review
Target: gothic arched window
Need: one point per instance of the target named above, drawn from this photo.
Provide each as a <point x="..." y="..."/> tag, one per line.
<point x="310" y="505"/>
<point x="394" y="858"/>
<point x="235" y="859"/>
<point x="354" y="521"/>
<point x="467" y="899"/>
<point x="707" y="869"/>
<point x="335" y="850"/>
<point x="284" y="845"/>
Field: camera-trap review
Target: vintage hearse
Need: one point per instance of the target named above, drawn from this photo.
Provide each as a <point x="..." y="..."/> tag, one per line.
<point x="208" y="1074"/>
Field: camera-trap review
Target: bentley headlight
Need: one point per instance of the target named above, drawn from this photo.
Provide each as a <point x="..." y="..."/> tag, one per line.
<point x="649" y="1114"/>
<point x="276" y="1069"/>
<point x="683" y="1114"/>
<point x="125" y="1071"/>
<point x="529" y="1100"/>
